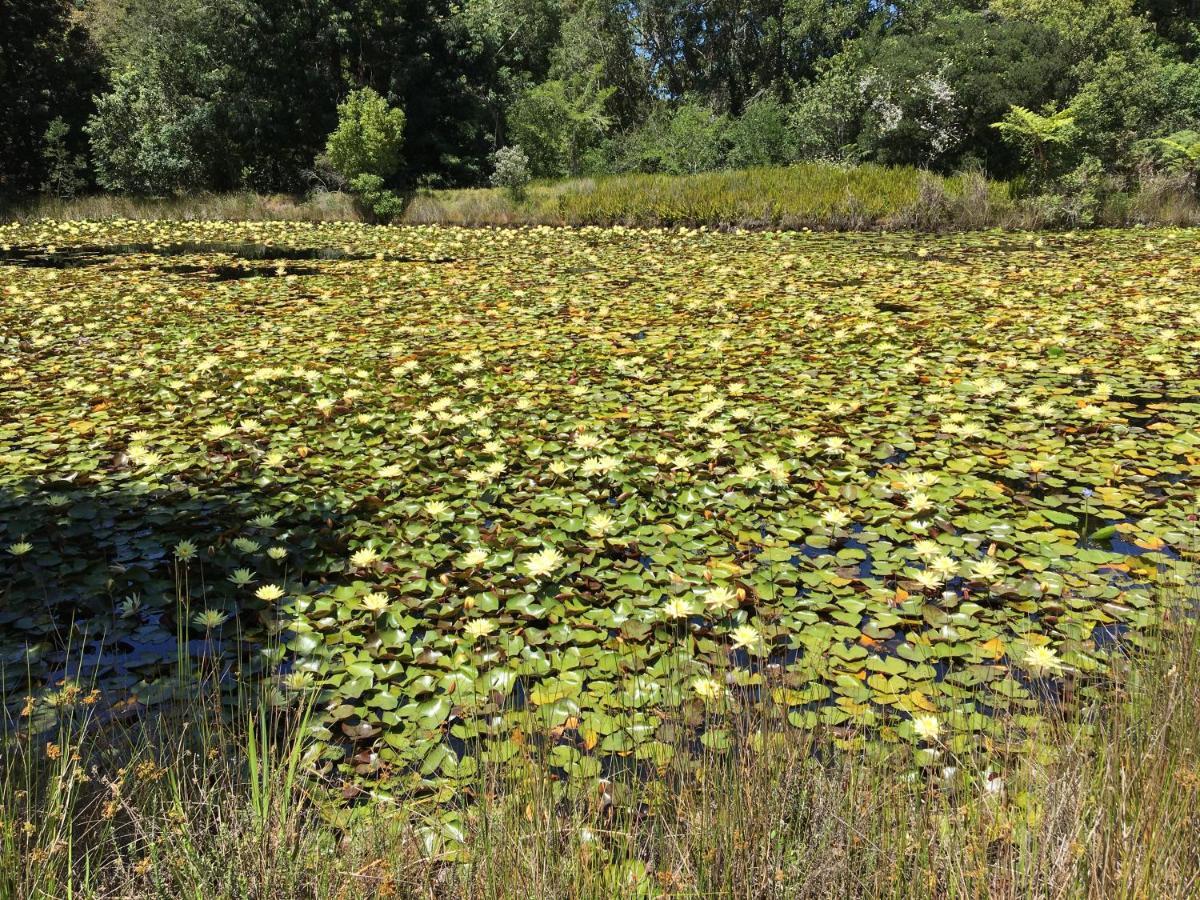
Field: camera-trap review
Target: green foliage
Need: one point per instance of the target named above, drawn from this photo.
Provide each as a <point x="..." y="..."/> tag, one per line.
<point x="1131" y="96"/>
<point x="558" y="121"/>
<point x="760" y="136"/>
<point x="64" y="169"/>
<point x="242" y="94"/>
<point x="683" y="140"/>
<point x="143" y="141"/>
<point x="1044" y="139"/>
<point x="467" y="478"/>
<point x="377" y="203"/>
<point x="368" y="137"/>
<point x="49" y="71"/>
<point x="1181" y="150"/>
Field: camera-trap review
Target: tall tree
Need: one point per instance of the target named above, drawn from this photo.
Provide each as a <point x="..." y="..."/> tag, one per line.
<point x="48" y="70"/>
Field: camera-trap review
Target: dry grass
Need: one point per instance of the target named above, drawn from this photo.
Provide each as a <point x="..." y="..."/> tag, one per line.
<point x="239" y="207"/>
<point x="819" y="196"/>
<point x="217" y="802"/>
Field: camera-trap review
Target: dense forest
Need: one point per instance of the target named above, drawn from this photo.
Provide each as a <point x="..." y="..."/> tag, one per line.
<point x="154" y="98"/>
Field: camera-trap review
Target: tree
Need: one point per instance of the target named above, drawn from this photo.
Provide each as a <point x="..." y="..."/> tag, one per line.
<point x="558" y="121"/>
<point x="48" y="70"/>
<point x="368" y="137"/>
<point x="145" y="142"/>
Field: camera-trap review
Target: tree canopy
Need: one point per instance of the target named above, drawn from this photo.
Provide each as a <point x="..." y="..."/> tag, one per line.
<point x="146" y="97"/>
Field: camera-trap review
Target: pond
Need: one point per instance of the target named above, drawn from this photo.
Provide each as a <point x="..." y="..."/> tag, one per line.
<point x="474" y="491"/>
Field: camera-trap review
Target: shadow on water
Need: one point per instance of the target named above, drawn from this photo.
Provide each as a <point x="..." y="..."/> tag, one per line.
<point x="99" y="596"/>
<point x="82" y="255"/>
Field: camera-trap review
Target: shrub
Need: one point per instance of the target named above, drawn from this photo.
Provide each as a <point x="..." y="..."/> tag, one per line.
<point x="142" y="142"/>
<point x="511" y="171"/>
<point x="376" y="202"/>
<point x="760" y="136"/>
<point x="684" y="141"/>
<point x="368" y="137"/>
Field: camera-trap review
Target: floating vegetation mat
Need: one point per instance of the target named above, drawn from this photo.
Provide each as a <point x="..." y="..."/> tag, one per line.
<point x="477" y="491"/>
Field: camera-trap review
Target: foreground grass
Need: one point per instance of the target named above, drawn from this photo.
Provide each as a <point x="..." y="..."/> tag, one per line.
<point x="819" y="196"/>
<point x="215" y="800"/>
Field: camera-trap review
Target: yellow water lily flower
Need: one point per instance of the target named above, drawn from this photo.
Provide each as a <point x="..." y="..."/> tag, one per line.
<point x="476" y="557"/>
<point x="477" y="628"/>
<point x="209" y="619"/>
<point x="364" y="557"/>
<point x="600" y="524"/>
<point x="677" y="608"/>
<point x="746" y="636"/>
<point x="986" y="569"/>
<point x="720" y="598"/>
<point x="543" y="563"/>
<point x="1042" y="660"/>
<point x="927" y="728"/>
<point x="708" y="689"/>
<point x="241" y="577"/>
<point x="376" y="602"/>
<point x="269" y="592"/>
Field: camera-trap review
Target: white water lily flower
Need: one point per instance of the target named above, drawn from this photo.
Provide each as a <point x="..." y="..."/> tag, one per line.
<point x="437" y="508"/>
<point x="20" y="548"/>
<point x="185" y="550"/>
<point x="218" y="431"/>
<point x="245" y="545"/>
